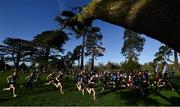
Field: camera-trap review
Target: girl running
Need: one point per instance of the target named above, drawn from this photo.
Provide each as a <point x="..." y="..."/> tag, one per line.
<point x="50" y="78"/>
<point x="58" y="82"/>
<point x="30" y="80"/>
<point x="12" y="83"/>
<point x="90" y="89"/>
<point x="80" y="83"/>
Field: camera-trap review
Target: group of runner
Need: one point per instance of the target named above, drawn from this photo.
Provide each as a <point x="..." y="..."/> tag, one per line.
<point x="86" y="81"/>
<point x="30" y="79"/>
<point x="138" y="80"/>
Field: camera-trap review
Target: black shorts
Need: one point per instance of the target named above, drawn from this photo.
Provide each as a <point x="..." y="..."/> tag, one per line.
<point x="91" y="85"/>
<point x="30" y="81"/>
<point x="13" y="83"/>
<point x="82" y="86"/>
<point x="29" y="84"/>
<point x="51" y="79"/>
<point x="55" y="81"/>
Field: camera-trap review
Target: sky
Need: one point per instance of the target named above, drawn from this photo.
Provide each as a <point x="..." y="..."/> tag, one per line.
<point x="26" y="18"/>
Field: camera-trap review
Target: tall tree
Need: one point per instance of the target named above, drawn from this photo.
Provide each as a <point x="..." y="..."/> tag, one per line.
<point x="16" y="50"/>
<point x="93" y="44"/>
<point x="48" y="42"/>
<point x="66" y="22"/>
<point x="77" y="54"/>
<point x="165" y="53"/>
<point x="133" y="45"/>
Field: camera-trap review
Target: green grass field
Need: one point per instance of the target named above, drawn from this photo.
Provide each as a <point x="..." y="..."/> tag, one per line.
<point x="44" y="95"/>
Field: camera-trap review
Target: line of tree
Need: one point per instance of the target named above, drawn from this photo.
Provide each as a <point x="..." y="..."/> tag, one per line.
<point x="46" y="48"/>
<point x="40" y="50"/>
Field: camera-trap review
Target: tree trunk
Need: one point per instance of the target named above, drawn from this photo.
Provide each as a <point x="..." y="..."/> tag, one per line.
<point x="93" y="52"/>
<point x="82" y="52"/>
<point x="78" y="63"/>
<point x="176" y="64"/>
<point x="2" y="63"/>
<point x="158" y="19"/>
<point x="46" y="59"/>
<point x="16" y="60"/>
<point x="92" y="60"/>
<point x="92" y="63"/>
<point x="17" y="67"/>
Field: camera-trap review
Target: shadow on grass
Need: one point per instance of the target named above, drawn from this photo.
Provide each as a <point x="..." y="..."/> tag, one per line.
<point x="173" y="100"/>
<point x="135" y="98"/>
<point x="107" y="90"/>
<point x="177" y="87"/>
<point x="177" y="91"/>
<point x="176" y="82"/>
<point x="5" y="99"/>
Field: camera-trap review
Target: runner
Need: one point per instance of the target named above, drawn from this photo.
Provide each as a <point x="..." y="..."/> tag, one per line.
<point x="30" y="79"/>
<point x="12" y="83"/>
<point x="50" y="78"/>
<point x="58" y="82"/>
<point x="90" y="89"/>
<point x="80" y="83"/>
